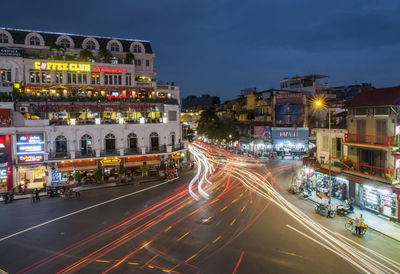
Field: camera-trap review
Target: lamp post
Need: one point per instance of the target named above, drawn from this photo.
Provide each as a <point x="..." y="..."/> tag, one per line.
<point x="321" y="104"/>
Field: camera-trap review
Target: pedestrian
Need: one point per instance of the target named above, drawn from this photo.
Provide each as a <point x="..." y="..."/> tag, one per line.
<point x="77" y="192"/>
<point x="37" y="195"/>
<point x="329" y="209"/>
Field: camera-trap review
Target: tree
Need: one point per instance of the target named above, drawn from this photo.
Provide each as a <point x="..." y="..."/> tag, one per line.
<point x="129" y="57"/>
<point x="86" y="55"/>
<point x="188" y="134"/>
<point x="58" y="49"/>
<point x="121" y="171"/>
<point x="221" y="130"/>
<point x="77" y="176"/>
<point x="105" y="55"/>
<point x="98" y="174"/>
<point x="145" y="170"/>
<point x="206" y="118"/>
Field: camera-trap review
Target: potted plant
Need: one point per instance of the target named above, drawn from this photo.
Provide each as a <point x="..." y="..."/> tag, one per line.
<point x="98" y="175"/>
<point x="77" y="176"/>
<point x="121" y="172"/>
<point x="145" y="170"/>
<point x="161" y="170"/>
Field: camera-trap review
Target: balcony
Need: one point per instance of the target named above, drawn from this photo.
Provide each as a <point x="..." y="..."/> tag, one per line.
<point x="372" y="172"/>
<point x="178" y="147"/>
<point x="371" y="141"/>
<point x="85" y="154"/>
<point x="132" y="151"/>
<point x="160" y="149"/>
<point x="109" y="152"/>
<point x="59" y="155"/>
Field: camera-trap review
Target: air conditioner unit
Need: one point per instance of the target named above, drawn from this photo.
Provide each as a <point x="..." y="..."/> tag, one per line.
<point x="23" y="109"/>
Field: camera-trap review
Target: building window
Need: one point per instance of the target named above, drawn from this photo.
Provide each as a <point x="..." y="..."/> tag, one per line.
<point x="59" y="77"/>
<point x="95" y="79"/>
<point x="114" y="47"/>
<point x="113" y="79"/>
<point x="34" y="41"/>
<point x="77" y="78"/>
<point x="154" y="141"/>
<point x="90" y="45"/>
<point x="65" y="43"/>
<point x="132" y="142"/>
<point x="137" y="49"/>
<point x="86" y="145"/>
<point x="4" y="38"/>
<point x="147" y="63"/>
<point x="138" y="62"/>
<point x="5" y="75"/>
<point x="109" y="142"/>
<point x="172" y="138"/>
<point x="114" y="60"/>
<point x="172" y="115"/>
<point x="325" y="145"/>
<point x="61" y="144"/>
<point x="128" y="79"/>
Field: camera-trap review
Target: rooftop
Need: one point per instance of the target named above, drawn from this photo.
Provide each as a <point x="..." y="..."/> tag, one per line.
<point x="376" y="97"/>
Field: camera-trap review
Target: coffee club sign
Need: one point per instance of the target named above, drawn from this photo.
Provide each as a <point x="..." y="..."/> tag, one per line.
<point x="75" y="67"/>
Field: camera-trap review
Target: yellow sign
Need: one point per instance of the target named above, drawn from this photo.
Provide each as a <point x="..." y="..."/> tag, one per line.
<point x="110" y="161"/>
<point x="176" y="155"/>
<point x="78" y="67"/>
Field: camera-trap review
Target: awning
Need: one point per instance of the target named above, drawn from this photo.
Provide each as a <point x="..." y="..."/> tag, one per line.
<point x="152" y="162"/>
<point x="133" y="164"/>
<point x="66" y="169"/>
<point x="325" y="171"/>
<point x="81" y="168"/>
<point x="363" y="181"/>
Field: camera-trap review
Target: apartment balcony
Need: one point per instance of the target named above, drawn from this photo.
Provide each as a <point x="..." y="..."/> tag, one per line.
<point x="372" y="172"/>
<point x="85" y="154"/>
<point x="370" y="141"/>
<point x="59" y="155"/>
<point x="178" y="147"/>
<point x="132" y="151"/>
<point x="153" y="150"/>
<point x="109" y="152"/>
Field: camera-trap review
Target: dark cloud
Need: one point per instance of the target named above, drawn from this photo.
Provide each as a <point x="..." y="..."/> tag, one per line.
<point x="221" y="46"/>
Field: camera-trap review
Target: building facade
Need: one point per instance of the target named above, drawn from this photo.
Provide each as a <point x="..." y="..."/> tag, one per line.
<point x="82" y="103"/>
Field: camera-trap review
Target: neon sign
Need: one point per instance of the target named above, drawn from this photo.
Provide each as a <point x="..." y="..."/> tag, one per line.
<point x="78" y="67"/>
<point x="3" y="173"/>
<point x="110" y="161"/>
<point x="30" y="148"/>
<point x="22" y="159"/>
<point x="109" y="70"/>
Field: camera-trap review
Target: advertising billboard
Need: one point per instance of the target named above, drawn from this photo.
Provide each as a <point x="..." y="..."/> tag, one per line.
<point x="289" y="133"/>
<point x="262" y="131"/>
<point x="30" y="148"/>
<point x="5" y="117"/>
<point x="289" y="114"/>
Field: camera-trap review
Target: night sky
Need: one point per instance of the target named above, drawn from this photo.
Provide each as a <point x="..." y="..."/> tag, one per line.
<point x="220" y="46"/>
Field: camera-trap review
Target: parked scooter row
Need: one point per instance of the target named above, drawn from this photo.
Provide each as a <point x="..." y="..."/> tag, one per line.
<point x="8" y="197"/>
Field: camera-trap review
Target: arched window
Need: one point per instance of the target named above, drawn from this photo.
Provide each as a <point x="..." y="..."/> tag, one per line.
<point x="154" y="142"/>
<point x="4" y="38"/>
<point x="109" y="143"/>
<point x="86" y="145"/>
<point x="172" y="138"/>
<point x="114" y="47"/>
<point x="34" y="41"/>
<point x="90" y="45"/>
<point x="61" y="144"/>
<point x="132" y="142"/>
<point x="137" y="49"/>
<point x="65" y="43"/>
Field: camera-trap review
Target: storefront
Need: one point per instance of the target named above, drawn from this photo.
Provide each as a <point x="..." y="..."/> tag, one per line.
<point x="287" y="141"/>
<point x="110" y="168"/>
<point x="62" y="172"/>
<point x="6" y="175"/>
<point x="380" y="199"/>
<point x="32" y="176"/>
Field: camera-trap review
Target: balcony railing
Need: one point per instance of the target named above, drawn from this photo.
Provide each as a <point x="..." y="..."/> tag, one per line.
<point x="109" y="152"/>
<point x="85" y="154"/>
<point x="59" y="155"/>
<point x="178" y="147"/>
<point x="384" y="141"/>
<point x="132" y="151"/>
<point x="374" y="171"/>
<point x="159" y="149"/>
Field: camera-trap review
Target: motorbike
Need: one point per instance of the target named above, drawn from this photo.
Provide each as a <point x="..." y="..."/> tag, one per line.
<point x="322" y="209"/>
<point x="8" y="197"/>
<point x="344" y="210"/>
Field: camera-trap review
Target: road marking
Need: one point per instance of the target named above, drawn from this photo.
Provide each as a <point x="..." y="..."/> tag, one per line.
<point x="216" y="239"/>
<point x="102" y="261"/>
<point x="183" y="236"/>
<point x="84" y="209"/>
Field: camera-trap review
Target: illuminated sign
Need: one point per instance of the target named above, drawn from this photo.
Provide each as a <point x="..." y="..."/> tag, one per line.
<point x="78" y="67"/>
<point x="27" y="159"/>
<point x="176" y="155"/>
<point x="30" y="147"/>
<point x="3" y="173"/>
<point x="110" y="161"/>
<point x="109" y="70"/>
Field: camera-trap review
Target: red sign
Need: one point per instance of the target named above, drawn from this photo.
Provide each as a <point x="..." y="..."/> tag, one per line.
<point x="5" y="117"/>
<point x="91" y="107"/>
<point x="108" y="70"/>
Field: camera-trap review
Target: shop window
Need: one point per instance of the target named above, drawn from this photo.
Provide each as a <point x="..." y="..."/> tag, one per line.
<point x="86" y="144"/>
<point x="132" y="142"/>
<point x="61" y="144"/>
<point x="5" y="75"/>
<point x="154" y="141"/>
<point x="110" y="142"/>
<point x="95" y="79"/>
<point x="59" y="77"/>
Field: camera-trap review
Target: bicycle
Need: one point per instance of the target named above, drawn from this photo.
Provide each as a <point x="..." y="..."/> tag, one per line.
<point x="349" y="225"/>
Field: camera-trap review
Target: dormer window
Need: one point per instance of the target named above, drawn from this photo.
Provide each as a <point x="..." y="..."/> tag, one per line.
<point x="114" y="47"/>
<point x="65" y="43"/>
<point x="137" y="49"/>
<point x="90" y="45"/>
<point x="34" y="41"/>
<point x="4" y="38"/>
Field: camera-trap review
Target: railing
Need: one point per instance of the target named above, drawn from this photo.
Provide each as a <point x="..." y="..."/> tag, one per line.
<point x="374" y="171"/>
<point x="132" y="151"/>
<point x="178" y="147"/>
<point x="109" y="152"/>
<point x="385" y="141"/>
<point x="85" y="154"/>
<point x="156" y="149"/>
<point x="59" y="155"/>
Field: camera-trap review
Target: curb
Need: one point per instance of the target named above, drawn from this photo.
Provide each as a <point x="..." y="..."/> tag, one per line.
<point x="369" y="227"/>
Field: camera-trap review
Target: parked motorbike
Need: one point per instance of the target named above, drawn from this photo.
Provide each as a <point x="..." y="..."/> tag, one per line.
<point x="322" y="209"/>
<point x="8" y="197"/>
<point x="344" y="210"/>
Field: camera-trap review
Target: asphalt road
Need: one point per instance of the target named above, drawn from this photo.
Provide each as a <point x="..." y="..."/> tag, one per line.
<point x="165" y="229"/>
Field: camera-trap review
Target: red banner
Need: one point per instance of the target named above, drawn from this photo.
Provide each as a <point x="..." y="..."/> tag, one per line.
<point x="5" y="117"/>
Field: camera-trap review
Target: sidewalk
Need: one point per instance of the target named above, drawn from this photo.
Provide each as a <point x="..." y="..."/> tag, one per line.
<point x="374" y="221"/>
<point x="137" y="180"/>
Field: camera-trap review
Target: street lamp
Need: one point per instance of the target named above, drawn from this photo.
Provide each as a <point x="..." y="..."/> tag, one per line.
<point x="319" y="103"/>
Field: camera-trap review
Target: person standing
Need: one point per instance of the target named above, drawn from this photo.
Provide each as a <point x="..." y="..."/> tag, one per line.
<point x="357" y="224"/>
<point x="77" y="192"/>
<point x="329" y="209"/>
<point x="37" y="195"/>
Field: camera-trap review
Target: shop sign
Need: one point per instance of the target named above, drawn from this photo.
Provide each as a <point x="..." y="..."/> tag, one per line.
<point x="10" y="52"/>
<point x="110" y="162"/>
<point x="262" y="131"/>
<point x="109" y="70"/>
<point x="290" y="133"/>
<point x="5" y="117"/>
<point x="176" y="155"/>
<point x="91" y="107"/>
<point x="28" y="159"/>
<point x="78" y="67"/>
<point x="289" y="98"/>
<point x="55" y="175"/>
<point x="30" y="143"/>
<point x="3" y="173"/>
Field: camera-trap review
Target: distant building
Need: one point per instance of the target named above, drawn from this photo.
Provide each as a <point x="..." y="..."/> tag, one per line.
<point x="248" y="91"/>
<point x="204" y="101"/>
<point x="307" y="83"/>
